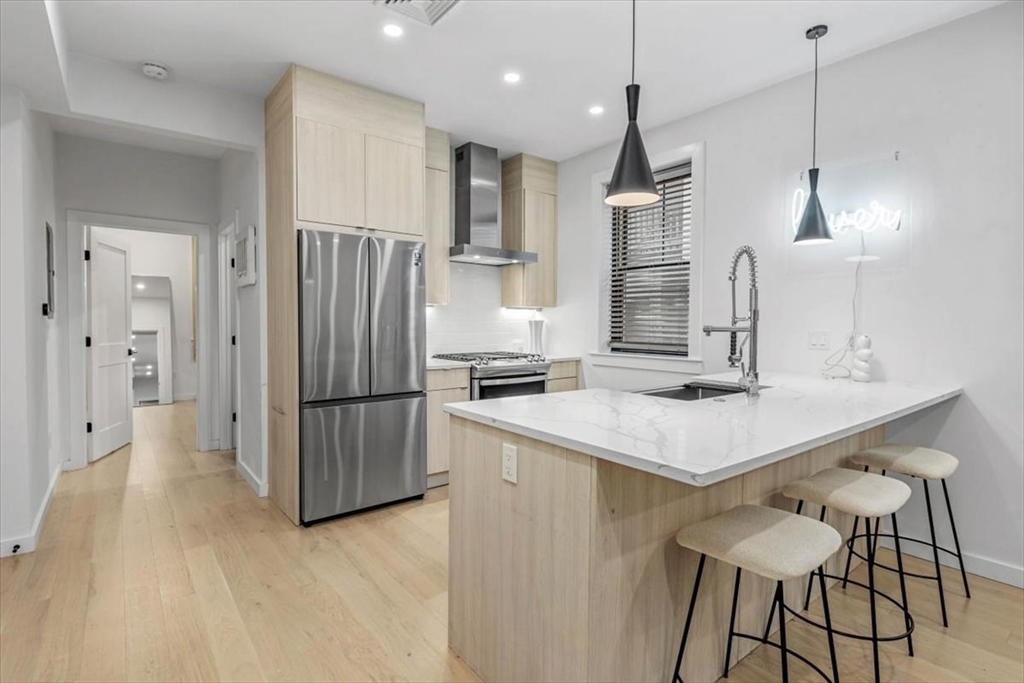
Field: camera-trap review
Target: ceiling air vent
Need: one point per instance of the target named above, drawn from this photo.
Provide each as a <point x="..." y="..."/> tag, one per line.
<point x="427" y="12"/>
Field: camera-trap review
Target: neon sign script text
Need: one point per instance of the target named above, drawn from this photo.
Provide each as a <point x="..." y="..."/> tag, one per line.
<point x="864" y="219"/>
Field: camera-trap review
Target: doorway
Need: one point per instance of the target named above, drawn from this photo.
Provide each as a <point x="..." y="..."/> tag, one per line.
<point x="188" y="371"/>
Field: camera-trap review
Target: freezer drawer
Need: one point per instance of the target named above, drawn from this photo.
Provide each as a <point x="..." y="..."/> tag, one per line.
<point x="359" y="454"/>
<point x="398" y="326"/>
<point x="334" y="308"/>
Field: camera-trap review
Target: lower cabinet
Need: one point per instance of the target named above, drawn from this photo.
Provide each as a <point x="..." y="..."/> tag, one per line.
<point x="443" y="386"/>
<point x="563" y="376"/>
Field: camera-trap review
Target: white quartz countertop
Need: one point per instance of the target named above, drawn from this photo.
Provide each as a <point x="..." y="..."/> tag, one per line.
<point x="703" y="442"/>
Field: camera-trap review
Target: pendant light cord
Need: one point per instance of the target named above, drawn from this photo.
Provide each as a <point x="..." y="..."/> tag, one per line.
<point x="814" y="134"/>
<point x="632" y="73"/>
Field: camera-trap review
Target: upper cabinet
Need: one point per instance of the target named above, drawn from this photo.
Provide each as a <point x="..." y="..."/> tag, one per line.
<point x="529" y="222"/>
<point x="330" y="169"/>
<point x="394" y="186"/>
<point x="359" y="153"/>
<point x="437" y="215"/>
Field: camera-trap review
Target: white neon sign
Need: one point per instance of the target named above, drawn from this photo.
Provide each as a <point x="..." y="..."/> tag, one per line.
<point x="867" y="219"/>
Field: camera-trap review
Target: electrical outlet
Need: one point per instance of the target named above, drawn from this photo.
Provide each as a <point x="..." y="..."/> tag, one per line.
<point x="817" y="340"/>
<point x="509" y="465"/>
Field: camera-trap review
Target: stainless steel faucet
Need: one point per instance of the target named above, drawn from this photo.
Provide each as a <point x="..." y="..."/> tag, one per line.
<point x="749" y="380"/>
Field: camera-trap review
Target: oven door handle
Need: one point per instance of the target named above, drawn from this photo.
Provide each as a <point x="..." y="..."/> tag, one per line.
<point x="513" y="380"/>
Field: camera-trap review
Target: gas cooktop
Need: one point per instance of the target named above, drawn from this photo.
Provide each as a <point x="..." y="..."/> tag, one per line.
<point x="489" y="357"/>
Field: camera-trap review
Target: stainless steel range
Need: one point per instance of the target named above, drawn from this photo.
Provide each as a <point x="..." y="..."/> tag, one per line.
<point x="497" y="374"/>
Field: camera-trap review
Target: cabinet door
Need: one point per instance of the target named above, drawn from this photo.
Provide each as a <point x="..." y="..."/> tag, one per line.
<point x="394" y="186"/>
<point x="437" y="237"/>
<point x="330" y="174"/>
<point x="540" y="235"/>
<point x="437" y="426"/>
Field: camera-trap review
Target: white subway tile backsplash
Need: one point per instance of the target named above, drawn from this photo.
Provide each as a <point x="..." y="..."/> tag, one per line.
<point x="475" y="320"/>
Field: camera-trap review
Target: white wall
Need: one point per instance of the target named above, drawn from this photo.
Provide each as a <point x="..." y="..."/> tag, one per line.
<point x="239" y="190"/>
<point x="157" y="254"/>
<point x="152" y="313"/>
<point x="950" y="98"/>
<point x="29" y="459"/>
<point x="475" y="320"/>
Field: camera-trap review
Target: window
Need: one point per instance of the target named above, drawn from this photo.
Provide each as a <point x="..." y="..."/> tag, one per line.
<point x="650" y="270"/>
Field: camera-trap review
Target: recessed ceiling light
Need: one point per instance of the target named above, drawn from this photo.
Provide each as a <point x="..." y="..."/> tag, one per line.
<point x="140" y="285"/>
<point x="511" y="77"/>
<point x="596" y="110"/>
<point x="149" y="374"/>
<point x="393" y="30"/>
<point x="149" y="367"/>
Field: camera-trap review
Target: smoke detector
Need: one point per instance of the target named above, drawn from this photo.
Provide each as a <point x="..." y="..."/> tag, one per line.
<point x="155" y="70"/>
<point x="427" y="12"/>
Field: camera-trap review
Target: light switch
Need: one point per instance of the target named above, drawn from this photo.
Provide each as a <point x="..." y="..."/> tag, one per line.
<point x="817" y="340"/>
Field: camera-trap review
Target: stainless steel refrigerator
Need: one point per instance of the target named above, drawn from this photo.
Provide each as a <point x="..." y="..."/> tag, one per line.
<point x="362" y="369"/>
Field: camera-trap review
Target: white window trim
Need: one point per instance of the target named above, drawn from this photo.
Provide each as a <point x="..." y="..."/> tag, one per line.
<point x="692" y="363"/>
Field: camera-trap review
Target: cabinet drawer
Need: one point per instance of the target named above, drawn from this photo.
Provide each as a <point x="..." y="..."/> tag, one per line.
<point x="437" y="427"/>
<point x="454" y="378"/>
<point x="563" y="369"/>
<point x="330" y="174"/>
<point x="564" y="384"/>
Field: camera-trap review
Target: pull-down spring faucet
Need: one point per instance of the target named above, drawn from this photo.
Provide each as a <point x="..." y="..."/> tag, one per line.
<point x="749" y="379"/>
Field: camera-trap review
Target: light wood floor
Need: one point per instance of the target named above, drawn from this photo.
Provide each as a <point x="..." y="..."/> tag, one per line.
<point x="159" y="563"/>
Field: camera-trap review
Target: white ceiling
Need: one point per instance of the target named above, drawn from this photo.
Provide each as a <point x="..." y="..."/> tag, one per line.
<point x="134" y="136"/>
<point x="690" y="55"/>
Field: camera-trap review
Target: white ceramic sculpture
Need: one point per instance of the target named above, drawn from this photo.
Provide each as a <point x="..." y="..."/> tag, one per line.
<point x="862" y="355"/>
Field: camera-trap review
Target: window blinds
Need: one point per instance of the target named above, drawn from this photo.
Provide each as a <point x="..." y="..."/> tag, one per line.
<point x="650" y="270"/>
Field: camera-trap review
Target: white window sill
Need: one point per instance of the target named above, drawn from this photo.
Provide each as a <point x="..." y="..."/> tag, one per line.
<point x="638" y="361"/>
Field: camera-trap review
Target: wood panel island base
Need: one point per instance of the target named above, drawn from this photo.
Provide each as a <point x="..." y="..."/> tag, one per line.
<point x="573" y="573"/>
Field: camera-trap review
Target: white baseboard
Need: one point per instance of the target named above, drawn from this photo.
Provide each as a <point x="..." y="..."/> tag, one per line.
<point x="184" y="397"/>
<point x="437" y="479"/>
<point x="260" y="487"/>
<point x="982" y="566"/>
<point x="27" y="544"/>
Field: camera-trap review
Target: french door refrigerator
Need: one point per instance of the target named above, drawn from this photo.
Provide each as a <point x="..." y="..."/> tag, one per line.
<point x="362" y="359"/>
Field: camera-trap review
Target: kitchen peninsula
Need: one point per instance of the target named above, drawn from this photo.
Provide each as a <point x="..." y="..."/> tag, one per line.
<point x="571" y="573"/>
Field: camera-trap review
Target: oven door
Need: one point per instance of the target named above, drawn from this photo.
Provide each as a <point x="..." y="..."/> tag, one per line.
<point x="501" y="387"/>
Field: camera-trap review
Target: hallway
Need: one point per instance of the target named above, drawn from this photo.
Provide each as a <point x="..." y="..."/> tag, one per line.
<point x="160" y="563"/>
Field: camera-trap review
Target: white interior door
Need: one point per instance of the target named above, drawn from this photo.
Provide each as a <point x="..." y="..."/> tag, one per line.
<point x="110" y="305"/>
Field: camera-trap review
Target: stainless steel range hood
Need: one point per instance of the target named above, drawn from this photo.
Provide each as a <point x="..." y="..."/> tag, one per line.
<point x="477" y="232"/>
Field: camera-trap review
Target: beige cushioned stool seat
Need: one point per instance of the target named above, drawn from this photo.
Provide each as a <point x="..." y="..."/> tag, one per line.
<point x="856" y="493"/>
<point x="771" y="543"/>
<point x="923" y="463"/>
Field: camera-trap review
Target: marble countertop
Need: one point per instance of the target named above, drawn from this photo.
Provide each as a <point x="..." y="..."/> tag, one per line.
<point x="439" y="364"/>
<point x="707" y="441"/>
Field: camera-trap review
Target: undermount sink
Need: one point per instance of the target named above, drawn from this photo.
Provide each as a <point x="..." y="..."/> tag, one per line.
<point x="695" y="391"/>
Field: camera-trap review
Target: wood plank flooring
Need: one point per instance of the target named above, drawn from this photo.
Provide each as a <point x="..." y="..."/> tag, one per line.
<point x="159" y="563"/>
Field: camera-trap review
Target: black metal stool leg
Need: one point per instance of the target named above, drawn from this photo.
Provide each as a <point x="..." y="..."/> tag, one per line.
<point x="768" y="626"/>
<point x="903" y="584"/>
<point x="956" y="539"/>
<point x="689" y="617"/>
<point x="871" y="592"/>
<point x="779" y="597"/>
<point x="732" y="624"/>
<point x="849" y="557"/>
<point x="935" y="553"/>
<point x="810" y="579"/>
<point x="828" y="626"/>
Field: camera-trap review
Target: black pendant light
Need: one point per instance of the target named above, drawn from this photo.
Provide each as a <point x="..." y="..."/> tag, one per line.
<point x="632" y="181"/>
<point x="814" y="225"/>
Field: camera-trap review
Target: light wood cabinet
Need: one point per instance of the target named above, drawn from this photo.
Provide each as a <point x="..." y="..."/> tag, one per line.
<point x="443" y="386"/>
<point x="394" y="186"/>
<point x="343" y="157"/>
<point x="437" y="216"/>
<point x="529" y="217"/>
<point x="563" y="376"/>
<point x="330" y="174"/>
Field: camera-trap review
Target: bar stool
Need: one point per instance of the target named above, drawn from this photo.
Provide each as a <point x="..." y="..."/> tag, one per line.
<point x="870" y="496"/>
<point x="926" y="464"/>
<point x="771" y="543"/>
